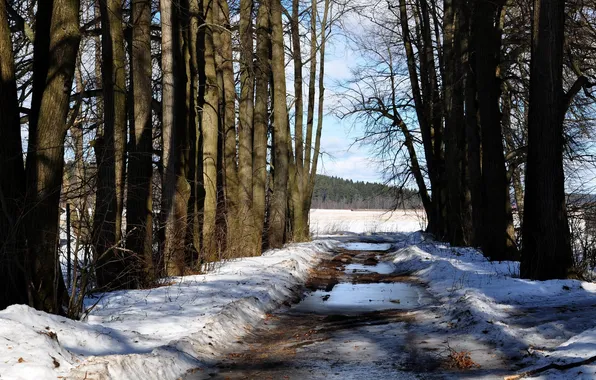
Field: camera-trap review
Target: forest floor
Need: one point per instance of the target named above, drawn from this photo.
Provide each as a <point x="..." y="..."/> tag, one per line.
<point x="350" y="306"/>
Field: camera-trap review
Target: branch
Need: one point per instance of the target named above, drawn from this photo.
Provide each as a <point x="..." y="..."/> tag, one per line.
<point x="560" y="367"/>
<point x="21" y="23"/>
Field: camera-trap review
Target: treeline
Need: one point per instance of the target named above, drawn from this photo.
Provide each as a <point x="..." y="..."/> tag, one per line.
<point x="337" y="193"/>
<point x="479" y="103"/>
<point x="182" y="142"/>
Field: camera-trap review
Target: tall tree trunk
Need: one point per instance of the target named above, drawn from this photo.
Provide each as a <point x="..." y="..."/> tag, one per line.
<point x="546" y="239"/>
<point x="496" y="242"/>
<point x="299" y="227"/>
<point x="312" y="88"/>
<point x="325" y="31"/>
<point x="139" y="208"/>
<point x="473" y="147"/>
<point x="426" y="100"/>
<point x="57" y="37"/>
<point x="175" y="188"/>
<point x="209" y="126"/>
<point x="454" y="131"/>
<point x="227" y="100"/>
<point x="195" y="99"/>
<point x="277" y="217"/>
<point x="111" y="264"/>
<point x="261" y="120"/>
<point x="12" y="176"/>
<point x="245" y="132"/>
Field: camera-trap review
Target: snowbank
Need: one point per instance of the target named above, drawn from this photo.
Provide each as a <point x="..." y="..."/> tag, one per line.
<point x="157" y="333"/>
<point x="534" y="322"/>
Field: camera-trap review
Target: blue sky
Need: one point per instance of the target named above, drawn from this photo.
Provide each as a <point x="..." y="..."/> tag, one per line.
<point x="341" y="156"/>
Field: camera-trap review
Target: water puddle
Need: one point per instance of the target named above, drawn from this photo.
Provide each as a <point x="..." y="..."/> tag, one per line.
<point x="346" y="298"/>
<point x="380" y="268"/>
<point x="366" y="246"/>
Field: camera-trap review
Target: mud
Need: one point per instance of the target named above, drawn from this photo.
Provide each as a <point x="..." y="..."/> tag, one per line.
<point x="358" y="319"/>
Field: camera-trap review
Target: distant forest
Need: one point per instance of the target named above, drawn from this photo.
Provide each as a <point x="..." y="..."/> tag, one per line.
<point x="339" y="193"/>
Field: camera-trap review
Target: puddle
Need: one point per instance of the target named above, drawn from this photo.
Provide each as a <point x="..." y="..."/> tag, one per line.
<point x="366" y="246"/>
<point x="380" y="268"/>
<point x="348" y="298"/>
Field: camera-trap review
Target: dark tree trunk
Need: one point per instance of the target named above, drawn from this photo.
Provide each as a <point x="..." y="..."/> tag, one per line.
<point x="277" y="218"/>
<point x="111" y="265"/>
<point x="12" y="177"/>
<point x="261" y="118"/>
<point x="546" y="241"/>
<point x="496" y="242"/>
<point x="139" y="210"/>
<point x="57" y="37"/>
<point x="453" y="91"/>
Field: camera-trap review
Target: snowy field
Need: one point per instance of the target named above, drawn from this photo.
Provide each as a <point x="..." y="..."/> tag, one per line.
<point x="338" y="222"/>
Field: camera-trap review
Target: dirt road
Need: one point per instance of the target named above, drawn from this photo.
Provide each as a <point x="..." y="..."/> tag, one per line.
<point x="358" y="319"/>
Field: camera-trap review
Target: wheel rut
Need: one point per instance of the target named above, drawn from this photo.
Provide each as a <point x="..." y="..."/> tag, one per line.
<point x="358" y="319"/>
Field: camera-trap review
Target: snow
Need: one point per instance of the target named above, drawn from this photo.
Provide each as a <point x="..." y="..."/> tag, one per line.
<point x="342" y="222"/>
<point x="156" y="333"/>
<point x="366" y="246"/>
<point x="163" y="332"/>
<point x="539" y="322"/>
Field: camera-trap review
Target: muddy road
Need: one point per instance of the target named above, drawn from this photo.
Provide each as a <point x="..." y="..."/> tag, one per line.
<point x="358" y="319"/>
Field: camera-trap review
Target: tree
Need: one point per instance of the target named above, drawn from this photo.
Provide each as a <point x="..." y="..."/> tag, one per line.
<point x="110" y="152"/>
<point x="546" y="241"/>
<point x="139" y="207"/>
<point x="12" y="174"/>
<point x="209" y="131"/>
<point x="497" y="239"/>
<point x="277" y="213"/>
<point x="261" y="120"/>
<point x="175" y="188"/>
<point x="57" y="37"/>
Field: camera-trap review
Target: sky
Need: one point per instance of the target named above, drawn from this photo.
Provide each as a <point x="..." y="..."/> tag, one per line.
<point x="341" y="156"/>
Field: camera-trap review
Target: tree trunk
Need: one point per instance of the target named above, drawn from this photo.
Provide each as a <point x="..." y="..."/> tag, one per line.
<point x="546" y="241"/>
<point x="139" y="208"/>
<point x="209" y="126"/>
<point x="320" y="113"/>
<point x="12" y="176"/>
<point x="175" y="188"/>
<point x="299" y="228"/>
<point x="233" y="222"/>
<point x="261" y="120"/>
<point x="496" y="242"/>
<point x="454" y="117"/>
<point x="278" y="208"/>
<point x="57" y="37"/>
<point x="195" y="101"/>
<point x="111" y="265"/>
<point x="473" y="150"/>
<point x="251" y="245"/>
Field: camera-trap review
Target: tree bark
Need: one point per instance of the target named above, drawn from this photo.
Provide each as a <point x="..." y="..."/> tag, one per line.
<point x="175" y="188"/>
<point x="251" y="244"/>
<point x="139" y="208"/>
<point x="56" y="45"/>
<point x="111" y="265"/>
<point x="261" y="119"/>
<point x="496" y="242"/>
<point x="546" y="241"/>
<point x="299" y="228"/>
<point x="12" y="176"/>
<point x="209" y="126"/>
<point x="277" y="217"/>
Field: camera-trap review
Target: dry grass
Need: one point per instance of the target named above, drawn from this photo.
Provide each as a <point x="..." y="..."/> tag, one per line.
<point x="460" y="360"/>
